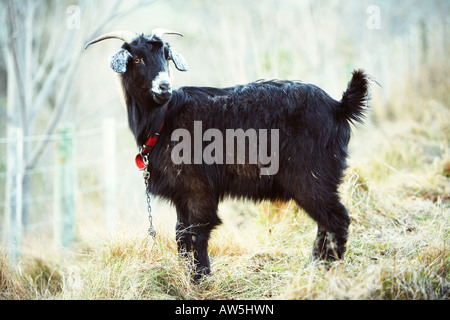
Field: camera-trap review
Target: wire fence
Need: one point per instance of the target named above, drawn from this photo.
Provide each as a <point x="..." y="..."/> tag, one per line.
<point x="83" y="178"/>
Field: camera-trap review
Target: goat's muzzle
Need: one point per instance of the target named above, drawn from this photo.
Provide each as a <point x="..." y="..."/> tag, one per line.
<point x="161" y="88"/>
<point x="162" y="98"/>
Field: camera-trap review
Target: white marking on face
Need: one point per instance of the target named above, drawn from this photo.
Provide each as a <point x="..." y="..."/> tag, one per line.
<point x="161" y="78"/>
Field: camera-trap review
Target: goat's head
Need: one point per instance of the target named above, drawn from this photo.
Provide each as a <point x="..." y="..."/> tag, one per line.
<point x="143" y="62"/>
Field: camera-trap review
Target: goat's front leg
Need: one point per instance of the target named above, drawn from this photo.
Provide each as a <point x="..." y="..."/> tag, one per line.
<point x="197" y="217"/>
<point x="201" y="259"/>
<point x="183" y="234"/>
<point x="194" y="240"/>
<point x="203" y="220"/>
<point x="184" y="240"/>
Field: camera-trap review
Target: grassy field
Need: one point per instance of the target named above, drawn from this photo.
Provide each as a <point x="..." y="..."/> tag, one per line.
<point x="397" y="189"/>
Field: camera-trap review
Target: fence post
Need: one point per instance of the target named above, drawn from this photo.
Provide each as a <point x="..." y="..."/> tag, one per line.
<point x="64" y="188"/>
<point x="15" y="173"/>
<point x="110" y="172"/>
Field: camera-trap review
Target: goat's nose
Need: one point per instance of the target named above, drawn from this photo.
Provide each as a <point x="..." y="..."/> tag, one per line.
<point x="164" y="87"/>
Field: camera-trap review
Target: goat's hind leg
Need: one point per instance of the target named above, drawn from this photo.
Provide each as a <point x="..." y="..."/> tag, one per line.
<point x="333" y="221"/>
<point x="325" y="246"/>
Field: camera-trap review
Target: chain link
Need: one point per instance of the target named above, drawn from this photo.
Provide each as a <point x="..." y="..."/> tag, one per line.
<point x="151" y="229"/>
<point x="146" y="174"/>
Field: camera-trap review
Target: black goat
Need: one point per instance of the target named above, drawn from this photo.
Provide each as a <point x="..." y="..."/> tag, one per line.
<point x="313" y="132"/>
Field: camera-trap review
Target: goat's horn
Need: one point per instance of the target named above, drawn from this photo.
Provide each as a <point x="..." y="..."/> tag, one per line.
<point x="159" y="32"/>
<point x="126" y="36"/>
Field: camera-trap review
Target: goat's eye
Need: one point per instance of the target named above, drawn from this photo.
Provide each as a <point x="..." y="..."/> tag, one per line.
<point x="137" y="60"/>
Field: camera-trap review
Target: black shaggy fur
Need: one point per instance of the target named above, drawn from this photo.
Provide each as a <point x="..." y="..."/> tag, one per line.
<point x="314" y="132"/>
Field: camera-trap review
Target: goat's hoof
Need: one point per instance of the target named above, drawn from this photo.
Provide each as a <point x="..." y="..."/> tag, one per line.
<point x="318" y="263"/>
<point x="201" y="275"/>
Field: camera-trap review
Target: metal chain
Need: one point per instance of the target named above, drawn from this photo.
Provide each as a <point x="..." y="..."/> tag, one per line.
<point x="151" y="229"/>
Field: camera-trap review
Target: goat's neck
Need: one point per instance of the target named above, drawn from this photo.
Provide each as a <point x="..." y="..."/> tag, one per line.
<point x="144" y="120"/>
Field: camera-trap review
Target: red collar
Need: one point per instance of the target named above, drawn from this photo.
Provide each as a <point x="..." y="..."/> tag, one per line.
<point x="144" y="151"/>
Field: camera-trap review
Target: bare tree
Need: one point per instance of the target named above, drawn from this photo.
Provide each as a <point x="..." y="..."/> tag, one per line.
<point x="42" y="46"/>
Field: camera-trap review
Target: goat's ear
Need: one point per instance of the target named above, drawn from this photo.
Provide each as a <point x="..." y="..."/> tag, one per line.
<point x="119" y="61"/>
<point x="178" y="60"/>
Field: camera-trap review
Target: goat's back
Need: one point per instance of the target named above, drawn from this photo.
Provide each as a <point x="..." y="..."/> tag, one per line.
<point x="312" y="140"/>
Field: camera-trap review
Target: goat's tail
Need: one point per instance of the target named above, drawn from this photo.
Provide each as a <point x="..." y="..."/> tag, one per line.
<point x="355" y="98"/>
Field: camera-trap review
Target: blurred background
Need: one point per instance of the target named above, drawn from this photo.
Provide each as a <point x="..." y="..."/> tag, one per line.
<point x="67" y="169"/>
